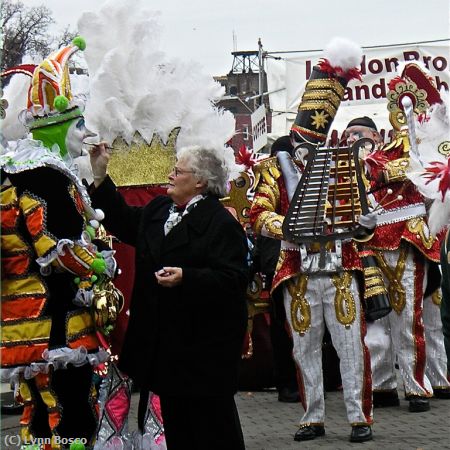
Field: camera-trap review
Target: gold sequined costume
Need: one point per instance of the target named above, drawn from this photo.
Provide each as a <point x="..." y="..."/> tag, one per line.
<point x="312" y="298"/>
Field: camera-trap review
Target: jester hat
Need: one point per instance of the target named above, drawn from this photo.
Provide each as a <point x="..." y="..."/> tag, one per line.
<point x="51" y="107"/>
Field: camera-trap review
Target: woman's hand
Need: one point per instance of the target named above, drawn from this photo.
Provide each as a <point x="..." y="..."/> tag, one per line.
<point x="169" y="276"/>
<point x="99" y="162"/>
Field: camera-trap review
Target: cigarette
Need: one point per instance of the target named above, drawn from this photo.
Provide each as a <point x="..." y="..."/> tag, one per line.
<point x="94" y="144"/>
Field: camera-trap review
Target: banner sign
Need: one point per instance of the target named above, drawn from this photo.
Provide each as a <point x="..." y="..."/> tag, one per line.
<point x="378" y="68"/>
<point x="259" y="128"/>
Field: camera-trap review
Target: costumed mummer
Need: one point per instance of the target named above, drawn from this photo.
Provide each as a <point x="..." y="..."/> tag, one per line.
<point x="52" y="265"/>
<point x="317" y="290"/>
<point x="407" y="254"/>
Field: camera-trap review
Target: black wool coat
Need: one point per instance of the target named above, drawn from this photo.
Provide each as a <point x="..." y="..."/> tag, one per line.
<point x="184" y="340"/>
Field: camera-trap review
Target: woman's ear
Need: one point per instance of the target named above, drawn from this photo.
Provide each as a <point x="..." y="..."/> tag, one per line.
<point x="201" y="184"/>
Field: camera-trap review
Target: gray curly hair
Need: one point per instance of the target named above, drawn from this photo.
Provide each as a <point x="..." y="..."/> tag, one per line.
<point x="215" y="166"/>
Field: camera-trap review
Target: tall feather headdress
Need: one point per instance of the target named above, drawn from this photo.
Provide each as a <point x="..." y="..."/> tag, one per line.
<point x="143" y="103"/>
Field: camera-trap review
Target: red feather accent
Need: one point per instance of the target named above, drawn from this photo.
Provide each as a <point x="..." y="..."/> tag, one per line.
<point x="353" y="74"/>
<point x="336" y="71"/>
<point x="423" y="118"/>
<point x="394" y="82"/>
<point x="325" y="66"/>
<point x="440" y="171"/>
<point x="376" y="159"/>
<point x="246" y="157"/>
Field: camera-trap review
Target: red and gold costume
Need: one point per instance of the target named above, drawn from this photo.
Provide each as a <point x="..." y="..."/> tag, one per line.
<point x="404" y="250"/>
<point x="318" y="277"/>
<point x="404" y="216"/>
<point x="310" y="294"/>
<point x="269" y="207"/>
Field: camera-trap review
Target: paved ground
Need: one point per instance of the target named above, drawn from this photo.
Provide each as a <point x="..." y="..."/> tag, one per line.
<point x="270" y="425"/>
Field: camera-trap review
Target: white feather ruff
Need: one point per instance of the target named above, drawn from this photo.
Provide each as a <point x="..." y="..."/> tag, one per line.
<point x="343" y="53"/>
<point x="16" y="95"/>
<point x="439" y="215"/>
<point x="234" y="170"/>
<point x="430" y="134"/>
<point x="135" y="87"/>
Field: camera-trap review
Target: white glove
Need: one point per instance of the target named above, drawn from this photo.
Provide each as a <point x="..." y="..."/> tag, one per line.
<point x="368" y="221"/>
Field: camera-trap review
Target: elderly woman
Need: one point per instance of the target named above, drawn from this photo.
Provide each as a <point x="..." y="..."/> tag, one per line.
<point x="188" y="310"/>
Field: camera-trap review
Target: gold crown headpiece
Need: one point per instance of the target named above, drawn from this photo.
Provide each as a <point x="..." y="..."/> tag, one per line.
<point x="416" y="84"/>
<point x="141" y="163"/>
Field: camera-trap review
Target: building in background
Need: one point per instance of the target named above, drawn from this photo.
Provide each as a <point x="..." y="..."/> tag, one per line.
<point x="244" y="84"/>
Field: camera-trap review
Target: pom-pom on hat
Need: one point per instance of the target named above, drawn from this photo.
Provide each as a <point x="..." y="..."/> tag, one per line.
<point x="325" y="90"/>
<point x="50" y="97"/>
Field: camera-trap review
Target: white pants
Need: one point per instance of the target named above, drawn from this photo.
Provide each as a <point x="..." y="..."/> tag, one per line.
<point x="436" y="368"/>
<point x="401" y="333"/>
<point x="319" y="299"/>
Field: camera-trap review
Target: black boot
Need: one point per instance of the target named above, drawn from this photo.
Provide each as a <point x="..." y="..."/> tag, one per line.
<point x="383" y="399"/>
<point x="418" y="404"/>
<point x="9" y="404"/>
<point x="361" y="433"/>
<point x="308" y="432"/>
<point x="443" y="393"/>
<point x="288" y="395"/>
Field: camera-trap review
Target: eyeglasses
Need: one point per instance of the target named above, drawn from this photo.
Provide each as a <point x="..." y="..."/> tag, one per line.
<point x="178" y="171"/>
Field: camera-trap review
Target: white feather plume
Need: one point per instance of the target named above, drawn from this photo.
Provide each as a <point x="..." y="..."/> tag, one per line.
<point x="343" y="53"/>
<point x="135" y="87"/>
<point x="16" y="95"/>
<point x="439" y="215"/>
<point x="233" y="169"/>
<point x="431" y="133"/>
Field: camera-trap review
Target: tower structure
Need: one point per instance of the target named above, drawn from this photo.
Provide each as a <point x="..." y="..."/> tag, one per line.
<point x="245" y="85"/>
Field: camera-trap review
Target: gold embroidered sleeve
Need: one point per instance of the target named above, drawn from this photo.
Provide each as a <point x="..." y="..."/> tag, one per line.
<point x="267" y="170"/>
<point x="266" y="204"/>
<point x="396" y="170"/>
<point x="269" y="224"/>
<point x="273" y="226"/>
<point x="272" y="193"/>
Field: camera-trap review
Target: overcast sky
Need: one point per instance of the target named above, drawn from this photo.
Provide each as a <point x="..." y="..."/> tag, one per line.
<point x="202" y="30"/>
